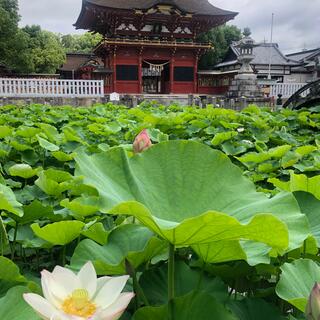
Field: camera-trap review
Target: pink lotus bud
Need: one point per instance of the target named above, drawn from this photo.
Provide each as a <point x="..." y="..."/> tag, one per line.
<point x="142" y="142"/>
<point x="313" y="306"/>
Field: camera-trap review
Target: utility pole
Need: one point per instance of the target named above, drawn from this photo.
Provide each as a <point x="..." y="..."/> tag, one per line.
<point x="270" y="53"/>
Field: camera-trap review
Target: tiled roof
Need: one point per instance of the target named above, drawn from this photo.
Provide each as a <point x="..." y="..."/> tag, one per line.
<point x="202" y="7"/>
<point x="262" y="53"/>
<point x="304" y="55"/>
<point x="75" y="60"/>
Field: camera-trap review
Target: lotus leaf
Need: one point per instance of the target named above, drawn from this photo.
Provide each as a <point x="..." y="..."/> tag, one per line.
<point x="299" y="182"/>
<point x="134" y="243"/>
<point x="9" y="202"/>
<point x="13" y="307"/>
<point x="59" y="233"/>
<point x="22" y="170"/>
<point x="194" y="306"/>
<point x="190" y="194"/>
<point x="296" y="282"/>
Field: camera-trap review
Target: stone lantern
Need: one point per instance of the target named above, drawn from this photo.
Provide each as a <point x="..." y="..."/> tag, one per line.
<point x="245" y="82"/>
<point x="246" y="56"/>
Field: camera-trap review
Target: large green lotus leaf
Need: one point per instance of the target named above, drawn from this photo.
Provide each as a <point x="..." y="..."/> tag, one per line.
<point x="253" y="309"/>
<point x="216" y="252"/>
<point x="274" y="153"/>
<point x="5" y="131"/>
<point x="45" y="144"/>
<point x="84" y="206"/>
<point x="222" y="137"/>
<point x="290" y="159"/>
<point x="27" y="132"/>
<point x="233" y="149"/>
<point x="58" y="175"/>
<point x="279" y="152"/>
<point x="62" y="156"/>
<point x="189" y="193"/>
<point x="154" y="283"/>
<point x="28" y="239"/>
<point x="296" y="282"/>
<point x="71" y="135"/>
<point x="305" y="150"/>
<point x="20" y="146"/>
<point x="35" y="211"/>
<point x="22" y="170"/>
<point x="9" y="275"/>
<point x="194" y="306"/>
<point x="53" y="182"/>
<point x="134" y="243"/>
<point x="51" y="132"/>
<point x="254" y="157"/>
<point x="96" y="232"/>
<point x="59" y="233"/>
<point x="310" y="206"/>
<point x="299" y="182"/>
<point x="8" y="201"/>
<point x="13" y="306"/>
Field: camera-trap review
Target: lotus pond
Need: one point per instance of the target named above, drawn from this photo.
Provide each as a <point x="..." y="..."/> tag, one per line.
<point x="218" y="219"/>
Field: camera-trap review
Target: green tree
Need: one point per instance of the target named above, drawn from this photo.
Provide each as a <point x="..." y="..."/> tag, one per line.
<point x="13" y="42"/>
<point x="220" y="38"/>
<point x="46" y="50"/>
<point x="83" y="43"/>
<point x="29" y="49"/>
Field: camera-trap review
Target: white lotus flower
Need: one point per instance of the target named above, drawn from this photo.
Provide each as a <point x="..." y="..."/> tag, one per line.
<point x="68" y="296"/>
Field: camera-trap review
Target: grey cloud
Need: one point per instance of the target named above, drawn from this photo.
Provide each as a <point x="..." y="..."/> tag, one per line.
<point x="297" y="22"/>
<point x="296" y="25"/>
<point x="53" y="15"/>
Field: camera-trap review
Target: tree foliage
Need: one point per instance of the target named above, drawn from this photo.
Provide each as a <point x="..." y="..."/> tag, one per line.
<point x="220" y="38"/>
<point x="29" y="49"/>
<point x="83" y="43"/>
<point x="13" y="42"/>
<point x="45" y="48"/>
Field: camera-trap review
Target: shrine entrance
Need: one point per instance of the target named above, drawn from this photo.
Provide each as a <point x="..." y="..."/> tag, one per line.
<point x="155" y="76"/>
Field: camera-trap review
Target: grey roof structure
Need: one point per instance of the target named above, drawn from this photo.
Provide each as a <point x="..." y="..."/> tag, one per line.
<point x="200" y="7"/>
<point x="308" y="59"/>
<point x="305" y="55"/>
<point x="262" y="53"/>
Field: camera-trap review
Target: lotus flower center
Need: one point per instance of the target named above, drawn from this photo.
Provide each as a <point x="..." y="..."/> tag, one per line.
<point x="78" y="304"/>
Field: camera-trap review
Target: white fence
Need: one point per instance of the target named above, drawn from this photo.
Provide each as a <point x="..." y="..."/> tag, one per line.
<point x="51" y="88"/>
<point x="287" y="89"/>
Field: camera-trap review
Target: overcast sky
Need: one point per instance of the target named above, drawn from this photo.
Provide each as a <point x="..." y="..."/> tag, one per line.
<point x="297" y="22"/>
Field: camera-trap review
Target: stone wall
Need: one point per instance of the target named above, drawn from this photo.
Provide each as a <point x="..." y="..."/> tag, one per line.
<point x="134" y="100"/>
<point x="76" y="102"/>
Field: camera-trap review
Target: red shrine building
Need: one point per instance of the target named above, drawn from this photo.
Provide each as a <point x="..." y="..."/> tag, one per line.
<point x="150" y="46"/>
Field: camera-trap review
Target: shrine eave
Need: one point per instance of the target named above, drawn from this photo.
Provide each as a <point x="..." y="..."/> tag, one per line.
<point x="199" y="9"/>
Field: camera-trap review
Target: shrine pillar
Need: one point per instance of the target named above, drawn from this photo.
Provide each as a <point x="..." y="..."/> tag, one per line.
<point x="195" y="78"/>
<point x="172" y="74"/>
<point x="114" y="62"/>
<point x="140" y="71"/>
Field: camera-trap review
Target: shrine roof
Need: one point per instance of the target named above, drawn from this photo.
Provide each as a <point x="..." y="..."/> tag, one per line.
<point x="195" y="7"/>
<point x="202" y="7"/>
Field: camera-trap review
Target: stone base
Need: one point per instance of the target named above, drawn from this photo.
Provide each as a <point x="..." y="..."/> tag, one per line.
<point x="245" y="85"/>
<point x="58" y="101"/>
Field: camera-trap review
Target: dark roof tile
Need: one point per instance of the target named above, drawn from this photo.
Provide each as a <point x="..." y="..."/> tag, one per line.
<point x="201" y="7"/>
